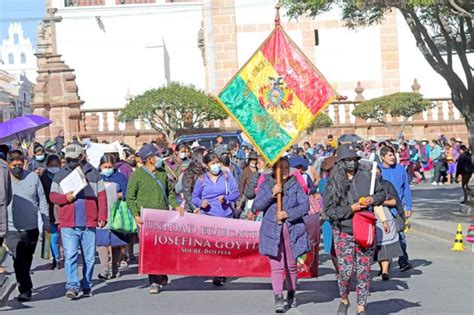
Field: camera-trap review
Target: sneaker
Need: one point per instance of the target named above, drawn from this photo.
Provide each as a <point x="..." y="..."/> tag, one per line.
<point x="385" y="277"/>
<point x="441" y="184"/>
<point x="103" y="276"/>
<point x="343" y="308"/>
<point x="72" y="294"/>
<point x="123" y="264"/>
<point x="406" y="267"/>
<point x="218" y="282"/>
<point x="154" y="288"/>
<point x="434" y="183"/>
<point x="7" y="288"/>
<point x="279" y="303"/>
<point x="24" y="297"/>
<point x="87" y="293"/>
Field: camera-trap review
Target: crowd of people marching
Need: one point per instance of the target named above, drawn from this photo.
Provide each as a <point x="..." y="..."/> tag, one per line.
<point x="229" y="180"/>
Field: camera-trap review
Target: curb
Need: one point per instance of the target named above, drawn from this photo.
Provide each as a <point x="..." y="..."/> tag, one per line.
<point x="432" y="231"/>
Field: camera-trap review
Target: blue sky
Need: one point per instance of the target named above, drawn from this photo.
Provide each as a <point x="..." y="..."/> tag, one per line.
<point x="27" y="12"/>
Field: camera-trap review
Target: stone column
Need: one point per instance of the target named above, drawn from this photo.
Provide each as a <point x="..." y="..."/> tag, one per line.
<point x="56" y="94"/>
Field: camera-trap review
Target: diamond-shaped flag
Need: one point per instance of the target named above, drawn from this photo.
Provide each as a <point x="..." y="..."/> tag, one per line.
<point x="276" y="95"/>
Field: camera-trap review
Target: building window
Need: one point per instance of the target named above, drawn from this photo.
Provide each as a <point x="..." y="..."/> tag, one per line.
<point x="23" y="58"/>
<point x="11" y="59"/>
<point x="16" y="40"/>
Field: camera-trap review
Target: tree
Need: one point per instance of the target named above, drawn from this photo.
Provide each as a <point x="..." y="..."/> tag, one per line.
<point x="436" y="25"/>
<point x="173" y="108"/>
<point x="403" y="105"/>
<point x="321" y="121"/>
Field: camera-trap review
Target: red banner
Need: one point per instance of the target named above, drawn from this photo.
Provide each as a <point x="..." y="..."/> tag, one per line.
<point x="201" y="245"/>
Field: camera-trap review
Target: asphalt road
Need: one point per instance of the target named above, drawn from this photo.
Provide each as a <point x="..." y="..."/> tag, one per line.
<point x="441" y="283"/>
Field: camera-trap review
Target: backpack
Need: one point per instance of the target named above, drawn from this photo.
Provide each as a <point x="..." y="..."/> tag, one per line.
<point x="363" y="228"/>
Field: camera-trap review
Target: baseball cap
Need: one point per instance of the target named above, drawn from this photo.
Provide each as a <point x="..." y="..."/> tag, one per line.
<point x="73" y="151"/>
<point x="147" y="150"/>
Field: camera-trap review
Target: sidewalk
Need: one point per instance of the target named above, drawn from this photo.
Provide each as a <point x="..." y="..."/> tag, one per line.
<point x="436" y="211"/>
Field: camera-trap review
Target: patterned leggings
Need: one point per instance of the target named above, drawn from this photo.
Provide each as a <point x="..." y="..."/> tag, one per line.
<point x="351" y="256"/>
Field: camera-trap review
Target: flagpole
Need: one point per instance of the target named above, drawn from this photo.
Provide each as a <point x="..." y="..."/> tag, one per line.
<point x="279" y="182"/>
<point x="278" y="164"/>
<point x="277" y="17"/>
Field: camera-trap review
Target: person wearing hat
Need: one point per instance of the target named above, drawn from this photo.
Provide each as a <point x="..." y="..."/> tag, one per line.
<point x="79" y="215"/>
<point x="245" y="205"/>
<point x="342" y="198"/>
<point x="149" y="187"/>
<point x="27" y="204"/>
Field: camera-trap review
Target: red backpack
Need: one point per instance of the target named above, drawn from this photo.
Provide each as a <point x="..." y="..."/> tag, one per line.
<point x="363" y="227"/>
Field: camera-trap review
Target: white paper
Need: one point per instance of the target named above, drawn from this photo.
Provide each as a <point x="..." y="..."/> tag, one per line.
<point x="74" y="182"/>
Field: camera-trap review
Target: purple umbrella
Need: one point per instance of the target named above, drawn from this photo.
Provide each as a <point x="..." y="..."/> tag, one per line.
<point x="21" y="127"/>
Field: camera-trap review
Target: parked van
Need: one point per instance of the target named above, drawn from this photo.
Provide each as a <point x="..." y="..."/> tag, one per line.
<point x="208" y="140"/>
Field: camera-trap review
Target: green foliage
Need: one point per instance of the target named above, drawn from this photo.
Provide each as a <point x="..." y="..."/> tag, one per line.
<point x="443" y="31"/>
<point x="172" y="108"/>
<point x="403" y="105"/>
<point x="321" y="121"/>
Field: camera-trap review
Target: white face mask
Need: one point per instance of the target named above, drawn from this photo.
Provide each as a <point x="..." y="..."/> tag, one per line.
<point x="53" y="170"/>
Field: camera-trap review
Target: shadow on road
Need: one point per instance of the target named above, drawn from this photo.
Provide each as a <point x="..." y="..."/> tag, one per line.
<point x="390" y="306"/>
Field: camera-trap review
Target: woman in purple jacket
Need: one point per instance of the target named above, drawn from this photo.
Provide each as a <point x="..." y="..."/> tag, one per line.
<point x="214" y="192"/>
<point x="284" y="242"/>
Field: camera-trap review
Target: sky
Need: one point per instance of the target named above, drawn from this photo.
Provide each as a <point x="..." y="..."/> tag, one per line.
<point x="27" y="12"/>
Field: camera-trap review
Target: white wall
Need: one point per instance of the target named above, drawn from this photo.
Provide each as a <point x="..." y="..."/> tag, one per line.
<point x="345" y="55"/>
<point x="122" y="57"/>
<point x="23" y="46"/>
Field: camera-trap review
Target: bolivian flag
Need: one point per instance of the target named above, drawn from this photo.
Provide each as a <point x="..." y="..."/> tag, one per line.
<point x="276" y="95"/>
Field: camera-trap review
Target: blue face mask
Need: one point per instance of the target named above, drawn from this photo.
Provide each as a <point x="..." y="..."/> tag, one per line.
<point x="40" y="158"/>
<point x="107" y="172"/>
<point x="159" y="162"/>
<point x="215" y="168"/>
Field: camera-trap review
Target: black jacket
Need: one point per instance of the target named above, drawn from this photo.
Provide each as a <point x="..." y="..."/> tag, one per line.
<point x="464" y="165"/>
<point x="340" y="214"/>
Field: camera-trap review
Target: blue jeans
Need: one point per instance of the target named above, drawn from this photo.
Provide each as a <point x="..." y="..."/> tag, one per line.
<point x="55" y="242"/>
<point x="403" y="260"/>
<point x="73" y="239"/>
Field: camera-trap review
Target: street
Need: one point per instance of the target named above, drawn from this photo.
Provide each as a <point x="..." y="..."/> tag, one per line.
<point x="440" y="283"/>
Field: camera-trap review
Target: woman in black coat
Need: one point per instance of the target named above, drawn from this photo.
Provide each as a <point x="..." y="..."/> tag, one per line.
<point x="465" y="169"/>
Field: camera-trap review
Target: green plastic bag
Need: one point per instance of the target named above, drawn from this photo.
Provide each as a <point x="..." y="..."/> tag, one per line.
<point x="121" y="219"/>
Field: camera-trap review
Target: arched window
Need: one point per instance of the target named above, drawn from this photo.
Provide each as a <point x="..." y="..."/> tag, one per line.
<point x="11" y="59"/>
<point x="15" y="39"/>
<point x="23" y="58"/>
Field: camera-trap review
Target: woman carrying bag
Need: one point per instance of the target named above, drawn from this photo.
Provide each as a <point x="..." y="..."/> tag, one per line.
<point x="283" y="243"/>
<point x="109" y="241"/>
<point x="348" y="192"/>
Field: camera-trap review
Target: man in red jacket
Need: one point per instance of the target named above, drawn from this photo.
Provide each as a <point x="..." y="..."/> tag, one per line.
<point x="79" y="215"/>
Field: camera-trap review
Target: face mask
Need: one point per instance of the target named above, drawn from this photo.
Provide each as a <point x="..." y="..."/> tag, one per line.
<point x="107" y="172"/>
<point x="350" y="166"/>
<point x="261" y="170"/>
<point x="254" y="165"/>
<point x="183" y="156"/>
<point x="215" y="168"/>
<point x="73" y="163"/>
<point x="40" y="158"/>
<point x="159" y="162"/>
<point x="17" y="171"/>
<point x="53" y="170"/>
